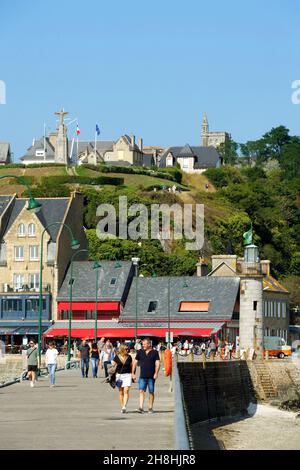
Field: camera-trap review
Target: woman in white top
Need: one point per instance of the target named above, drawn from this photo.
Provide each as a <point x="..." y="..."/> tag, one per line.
<point x="51" y="361"/>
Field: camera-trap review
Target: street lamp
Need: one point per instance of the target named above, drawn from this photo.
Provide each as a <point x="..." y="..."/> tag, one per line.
<point x="71" y="301"/>
<point x="96" y="266"/>
<point x="74" y="245"/>
<point x="33" y="204"/>
<point x="135" y="262"/>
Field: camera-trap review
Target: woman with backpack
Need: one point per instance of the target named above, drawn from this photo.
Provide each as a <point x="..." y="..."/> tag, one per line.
<point x="123" y="363"/>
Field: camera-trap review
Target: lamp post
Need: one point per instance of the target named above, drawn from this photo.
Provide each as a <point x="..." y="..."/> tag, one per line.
<point x="74" y="245"/>
<point x="136" y="265"/>
<point x="71" y="301"/>
<point x="33" y="204"/>
<point x="169" y="313"/>
<point x="96" y="266"/>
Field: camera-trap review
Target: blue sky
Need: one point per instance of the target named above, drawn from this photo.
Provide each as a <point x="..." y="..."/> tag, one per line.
<point x="148" y="67"/>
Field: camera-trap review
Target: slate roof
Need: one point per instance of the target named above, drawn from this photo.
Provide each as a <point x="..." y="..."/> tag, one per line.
<point x="4" y="152"/>
<point x="4" y="201"/>
<point x="271" y="284"/>
<point x="39" y="145"/>
<point x="52" y="210"/>
<point x="110" y="324"/>
<point x="221" y="292"/>
<point x="148" y="159"/>
<point x="205" y="157"/>
<point x="102" y="146"/>
<point x="85" y="281"/>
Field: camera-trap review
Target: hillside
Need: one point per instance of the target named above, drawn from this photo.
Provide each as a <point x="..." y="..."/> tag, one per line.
<point x="232" y="198"/>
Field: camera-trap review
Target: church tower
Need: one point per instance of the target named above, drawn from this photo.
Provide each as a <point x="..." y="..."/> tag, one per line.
<point x="61" y="146"/>
<point x="204" y="131"/>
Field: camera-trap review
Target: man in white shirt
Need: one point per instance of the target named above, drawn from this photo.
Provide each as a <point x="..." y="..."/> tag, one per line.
<point x="51" y="362"/>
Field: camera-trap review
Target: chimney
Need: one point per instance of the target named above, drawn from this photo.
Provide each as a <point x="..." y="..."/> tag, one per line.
<point x="132" y="140"/>
<point x="141" y="144"/>
<point x="265" y="267"/>
<point x="202" y="268"/>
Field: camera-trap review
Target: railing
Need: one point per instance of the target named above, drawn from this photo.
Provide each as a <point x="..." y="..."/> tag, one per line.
<point x="181" y="434"/>
<point x="10" y="288"/>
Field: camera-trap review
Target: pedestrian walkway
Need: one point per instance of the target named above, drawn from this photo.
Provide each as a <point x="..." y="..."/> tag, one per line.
<point x="82" y="414"/>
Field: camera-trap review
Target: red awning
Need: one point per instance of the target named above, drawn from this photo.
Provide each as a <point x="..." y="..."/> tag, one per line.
<point x="102" y="306"/>
<point x="127" y="332"/>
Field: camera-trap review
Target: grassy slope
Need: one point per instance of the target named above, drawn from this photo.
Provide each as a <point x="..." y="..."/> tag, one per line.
<point x="214" y="208"/>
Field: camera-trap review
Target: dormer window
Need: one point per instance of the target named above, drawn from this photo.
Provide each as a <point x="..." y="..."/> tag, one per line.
<point x="21" y="230"/>
<point x="152" y="306"/>
<point x="113" y="281"/>
<point x="194" y="306"/>
<point x="169" y="160"/>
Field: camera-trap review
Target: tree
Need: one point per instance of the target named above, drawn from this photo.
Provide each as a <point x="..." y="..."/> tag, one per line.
<point x="228" y="151"/>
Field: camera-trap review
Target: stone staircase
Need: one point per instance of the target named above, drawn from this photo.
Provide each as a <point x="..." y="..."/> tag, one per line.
<point x="265" y="383"/>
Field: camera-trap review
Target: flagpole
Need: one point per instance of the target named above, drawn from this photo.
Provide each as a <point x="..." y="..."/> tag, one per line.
<point x="44" y="141"/>
<point x="95" y="147"/>
<point x="77" y="143"/>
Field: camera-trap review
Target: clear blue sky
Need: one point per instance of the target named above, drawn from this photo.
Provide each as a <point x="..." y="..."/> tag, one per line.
<point x="149" y="67"/>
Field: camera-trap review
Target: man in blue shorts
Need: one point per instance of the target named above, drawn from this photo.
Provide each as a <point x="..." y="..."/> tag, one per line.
<point x="148" y="360"/>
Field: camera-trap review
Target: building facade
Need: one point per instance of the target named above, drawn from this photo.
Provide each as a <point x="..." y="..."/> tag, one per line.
<point x="191" y="159"/>
<point x="20" y="250"/>
<point x="5" y="153"/>
<point x="212" y="138"/>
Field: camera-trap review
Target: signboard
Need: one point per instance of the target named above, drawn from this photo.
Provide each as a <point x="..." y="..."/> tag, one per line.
<point x="169" y="340"/>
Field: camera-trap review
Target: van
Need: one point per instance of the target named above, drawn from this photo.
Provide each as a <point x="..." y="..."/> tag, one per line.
<point x="277" y="347"/>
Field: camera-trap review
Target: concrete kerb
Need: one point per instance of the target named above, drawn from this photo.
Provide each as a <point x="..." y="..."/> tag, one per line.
<point x="181" y="433"/>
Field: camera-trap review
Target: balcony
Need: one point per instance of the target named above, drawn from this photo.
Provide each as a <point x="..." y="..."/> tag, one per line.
<point x="30" y="289"/>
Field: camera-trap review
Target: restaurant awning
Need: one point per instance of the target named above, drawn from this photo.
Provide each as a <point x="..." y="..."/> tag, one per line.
<point x="102" y="306"/>
<point x="204" y="331"/>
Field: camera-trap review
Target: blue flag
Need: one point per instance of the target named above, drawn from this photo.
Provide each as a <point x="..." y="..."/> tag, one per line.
<point x="97" y="129"/>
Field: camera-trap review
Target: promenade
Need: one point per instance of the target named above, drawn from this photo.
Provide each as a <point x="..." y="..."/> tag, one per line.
<point x="83" y="414"/>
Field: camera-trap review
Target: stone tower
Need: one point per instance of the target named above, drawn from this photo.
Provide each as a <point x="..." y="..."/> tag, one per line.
<point x="204" y="131"/>
<point x="251" y="302"/>
<point x="61" y="146"/>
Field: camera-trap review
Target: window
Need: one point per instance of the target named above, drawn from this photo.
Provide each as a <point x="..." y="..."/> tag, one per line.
<point x="194" y="306"/>
<point x="39" y="153"/>
<point x="169" y="161"/>
<point x="12" y="305"/>
<point x="113" y="281"/>
<point x="185" y="163"/>
<point x="90" y="314"/>
<point x="278" y="309"/>
<point x="19" y="253"/>
<point x="284" y="310"/>
<point x="34" y="252"/>
<point x="21" y="230"/>
<point x="32" y="305"/>
<point x="18" y="281"/>
<point x="152" y="306"/>
<point x="31" y="230"/>
<point x="255" y="305"/>
<point x="34" y="281"/>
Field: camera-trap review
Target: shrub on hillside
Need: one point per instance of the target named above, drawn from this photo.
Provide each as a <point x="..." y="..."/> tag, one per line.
<point x="222" y="177"/>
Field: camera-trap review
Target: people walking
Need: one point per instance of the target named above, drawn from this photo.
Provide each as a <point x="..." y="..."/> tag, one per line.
<point x="212" y="349"/>
<point x="124" y="364"/>
<point x="51" y="362"/>
<point x="149" y="363"/>
<point x="32" y="362"/>
<point x="101" y="344"/>
<point x="106" y="356"/>
<point x="95" y="357"/>
<point x="186" y="347"/>
<point x="84" y="351"/>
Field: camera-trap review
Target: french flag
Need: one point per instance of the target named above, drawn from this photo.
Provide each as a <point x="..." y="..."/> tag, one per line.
<point x="77" y="130"/>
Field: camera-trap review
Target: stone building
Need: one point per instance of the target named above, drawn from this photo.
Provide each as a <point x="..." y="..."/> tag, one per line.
<point x="54" y="148"/>
<point x="212" y="138"/>
<point x="5" y="153"/>
<point x="20" y="239"/>
<point x="192" y="159"/>
<point x="263" y="301"/>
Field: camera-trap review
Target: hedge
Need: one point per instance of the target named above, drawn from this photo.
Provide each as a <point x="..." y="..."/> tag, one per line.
<point x="69" y="179"/>
<point x="172" y="174"/>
